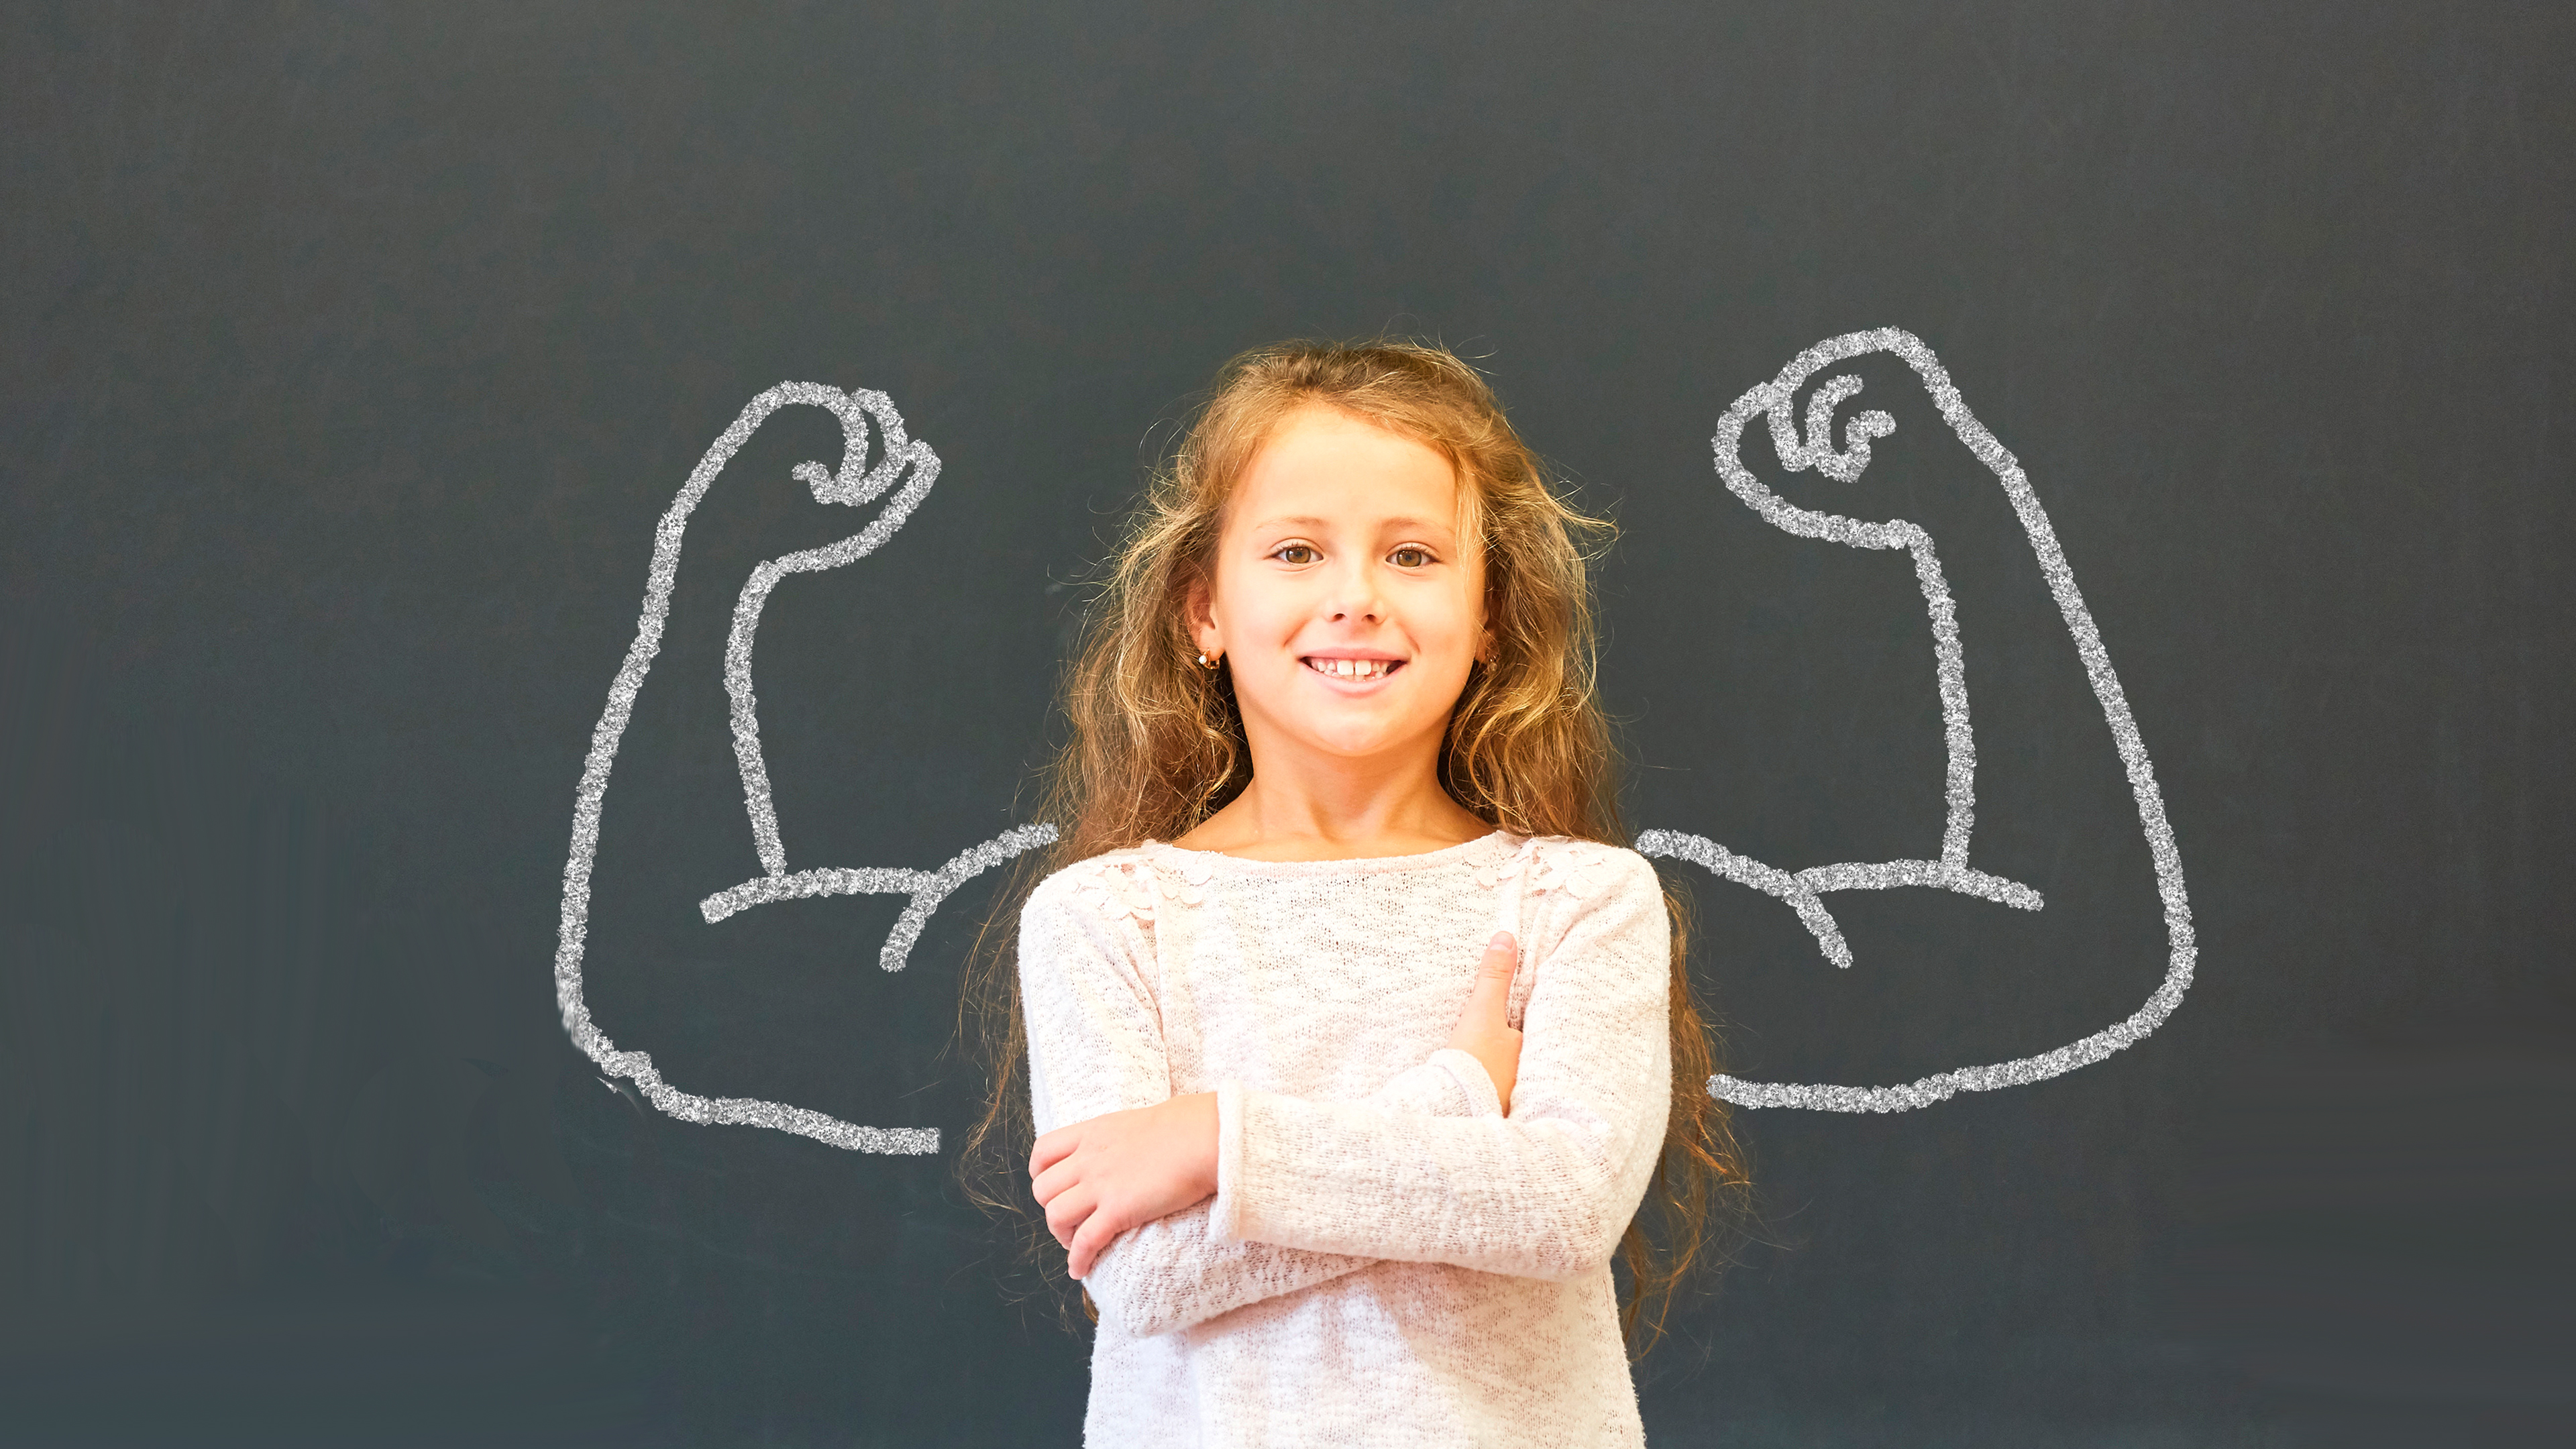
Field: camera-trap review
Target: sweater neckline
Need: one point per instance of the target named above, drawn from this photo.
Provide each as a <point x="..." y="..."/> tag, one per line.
<point x="1493" y="846"/>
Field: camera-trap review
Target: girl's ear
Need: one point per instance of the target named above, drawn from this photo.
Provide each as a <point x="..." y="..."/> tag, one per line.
<point x="1198" y="603"/>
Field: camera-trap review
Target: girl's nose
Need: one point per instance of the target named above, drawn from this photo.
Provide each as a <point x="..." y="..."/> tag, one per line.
<point x="1354" y="596"/>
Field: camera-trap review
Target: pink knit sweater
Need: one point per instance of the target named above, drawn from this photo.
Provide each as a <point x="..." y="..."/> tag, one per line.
<point x="1388" y="1259"/>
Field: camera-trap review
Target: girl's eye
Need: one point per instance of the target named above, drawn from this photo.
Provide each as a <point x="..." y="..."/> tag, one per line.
<point x="1411" y="556"/>
<point x="1294" y="553"/>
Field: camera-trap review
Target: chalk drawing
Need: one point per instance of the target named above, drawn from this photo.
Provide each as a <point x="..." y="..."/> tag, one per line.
<point x="913" y="462"/>
<point x="1804" y="890"/>
<point x="853" y="485"/>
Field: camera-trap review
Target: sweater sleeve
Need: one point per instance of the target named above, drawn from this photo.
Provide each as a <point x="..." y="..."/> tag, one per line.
<point x="1545" y="1193"/>
<point x="1096" y="1046"/>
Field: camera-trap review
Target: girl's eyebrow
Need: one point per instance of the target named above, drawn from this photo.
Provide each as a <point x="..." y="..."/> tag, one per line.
<point x="1414" y="524"/>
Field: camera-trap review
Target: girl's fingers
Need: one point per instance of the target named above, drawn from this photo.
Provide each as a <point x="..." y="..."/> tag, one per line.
<point x="1067" y="1214"/>
<point x="1090" y="1242"/>
<point x="1491" y="996"/>
<point x="1484" y="1024"/>
<point x="1052" y="1148"/>
<point x="1054" y="1180"/>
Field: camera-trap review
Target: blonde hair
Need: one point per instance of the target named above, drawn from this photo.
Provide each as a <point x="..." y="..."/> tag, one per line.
<point x="1156" y="743"/>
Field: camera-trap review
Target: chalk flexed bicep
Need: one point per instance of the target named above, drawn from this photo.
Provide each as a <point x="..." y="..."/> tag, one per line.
<point x="898" y="478"/>
<point x="1829" y="438"/>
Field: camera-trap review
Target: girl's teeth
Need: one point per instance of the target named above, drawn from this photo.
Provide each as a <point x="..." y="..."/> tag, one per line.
<point x="1352" y="668"/>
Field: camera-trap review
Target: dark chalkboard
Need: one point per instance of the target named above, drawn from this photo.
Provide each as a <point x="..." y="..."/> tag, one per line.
<point x="355" y="354"/>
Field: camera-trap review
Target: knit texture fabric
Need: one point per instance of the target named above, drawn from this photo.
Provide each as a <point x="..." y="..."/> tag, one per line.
<point x="1387" y="1259"/>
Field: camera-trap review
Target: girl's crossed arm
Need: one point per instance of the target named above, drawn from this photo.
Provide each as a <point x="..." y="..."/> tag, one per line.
<point x="1100" y="1079"/>
<point x="1547" y="1192"/>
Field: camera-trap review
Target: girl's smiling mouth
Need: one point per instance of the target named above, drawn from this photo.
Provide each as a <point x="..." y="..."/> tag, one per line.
<point x="1352" y="668"/>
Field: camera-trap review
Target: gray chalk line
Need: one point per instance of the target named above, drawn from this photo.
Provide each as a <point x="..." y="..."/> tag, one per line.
<point x="852" y="485"/>
<point x="1803" y="890"/>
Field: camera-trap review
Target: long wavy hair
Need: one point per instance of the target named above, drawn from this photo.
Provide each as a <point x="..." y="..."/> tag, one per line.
<point x="1155" y="744"/>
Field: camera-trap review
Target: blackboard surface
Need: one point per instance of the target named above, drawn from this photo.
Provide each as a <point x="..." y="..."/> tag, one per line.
<point x="353" y="353"/>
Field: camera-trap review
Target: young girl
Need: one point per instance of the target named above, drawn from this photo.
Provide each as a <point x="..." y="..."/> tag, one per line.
<point x="1355" y="1038"/>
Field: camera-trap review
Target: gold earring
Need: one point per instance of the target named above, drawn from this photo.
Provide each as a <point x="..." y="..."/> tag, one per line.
<point x="1207" y="663"/>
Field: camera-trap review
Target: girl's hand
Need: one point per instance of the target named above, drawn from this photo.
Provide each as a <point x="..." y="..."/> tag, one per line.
<point x="1098" y="1178"/>
<point x="1482" y="1030"/>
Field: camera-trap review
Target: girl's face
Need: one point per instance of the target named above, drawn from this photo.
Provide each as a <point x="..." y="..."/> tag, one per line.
<point x="1344" y="598"/>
